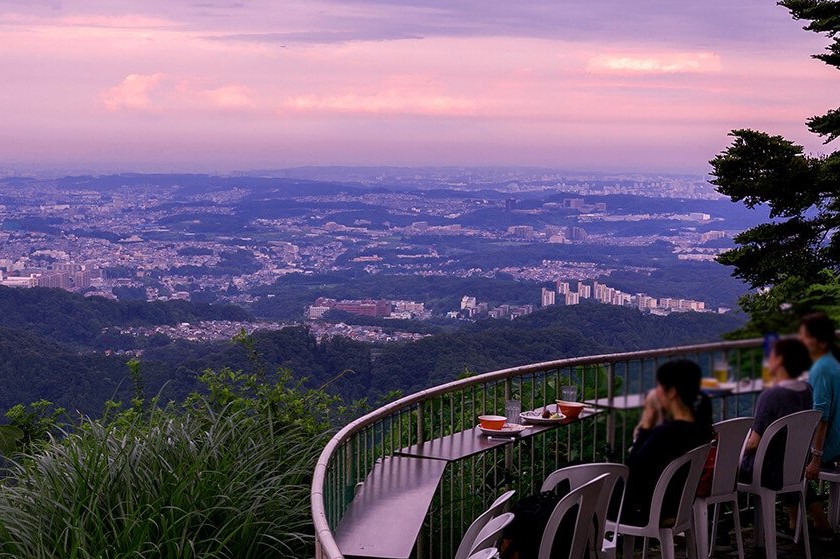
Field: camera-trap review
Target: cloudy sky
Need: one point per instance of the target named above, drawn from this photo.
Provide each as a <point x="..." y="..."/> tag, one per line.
<point x="221" y="85"/>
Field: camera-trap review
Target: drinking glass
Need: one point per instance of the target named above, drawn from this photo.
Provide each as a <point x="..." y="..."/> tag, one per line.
<point x="569" y="393"/>
<point x="722" y="370"/>
<point x="512" y="410"/>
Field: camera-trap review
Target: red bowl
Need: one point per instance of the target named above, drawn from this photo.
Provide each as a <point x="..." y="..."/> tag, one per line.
<point x="570" y="409"/>
<point x="494" y="422"/>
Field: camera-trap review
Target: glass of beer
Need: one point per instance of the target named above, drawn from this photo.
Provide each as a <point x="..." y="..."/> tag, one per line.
<point x="721" y="370"/>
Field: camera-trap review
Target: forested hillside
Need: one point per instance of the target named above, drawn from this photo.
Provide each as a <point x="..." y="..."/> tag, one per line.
<point x="70" y="318"/>
<point x="48" y="354"/>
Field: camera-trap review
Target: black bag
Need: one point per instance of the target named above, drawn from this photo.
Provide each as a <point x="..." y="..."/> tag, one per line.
<point x="522" y="536"/>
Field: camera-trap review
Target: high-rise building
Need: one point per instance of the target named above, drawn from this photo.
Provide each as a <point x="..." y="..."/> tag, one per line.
<point x="576" y="233"/>
<point x="572" y="298"/>
<point x="584" y="291"/>
<point x="547" y="297"/>
<point x="562" y="287"/>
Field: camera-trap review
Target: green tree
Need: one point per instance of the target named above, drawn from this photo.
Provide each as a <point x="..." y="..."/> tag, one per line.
<point x="802" y="191"/>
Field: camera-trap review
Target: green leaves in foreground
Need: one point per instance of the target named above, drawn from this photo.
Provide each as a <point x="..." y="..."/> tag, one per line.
<point x="226" y="474"/>
<point x="215" y="484"/>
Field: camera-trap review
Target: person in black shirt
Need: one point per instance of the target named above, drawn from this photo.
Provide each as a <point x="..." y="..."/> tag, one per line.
<point x="676" y="418"/>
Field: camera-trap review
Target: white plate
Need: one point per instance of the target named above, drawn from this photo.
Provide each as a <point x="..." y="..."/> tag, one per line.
<point x="536" y="417"/>
<point x="508" y="429"/>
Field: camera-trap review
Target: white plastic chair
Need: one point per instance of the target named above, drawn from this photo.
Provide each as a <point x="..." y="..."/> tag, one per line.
<point x="583" y="502"/>
<point x="500" y="505"/>
<point x="800" y="427"/>
<point x="489" y="553"/>
<point x="580" y="474"/>
<point x="489" y="535"/>
<point x="732" y="434"/>
<point x="683" y="522"/>
<point x="831" y="476"/>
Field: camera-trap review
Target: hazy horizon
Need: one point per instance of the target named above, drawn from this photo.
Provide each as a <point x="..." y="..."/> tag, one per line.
<point x="217" y="87"/>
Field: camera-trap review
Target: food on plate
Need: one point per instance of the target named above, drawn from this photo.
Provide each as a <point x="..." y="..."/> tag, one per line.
<point x="709" y="383"/>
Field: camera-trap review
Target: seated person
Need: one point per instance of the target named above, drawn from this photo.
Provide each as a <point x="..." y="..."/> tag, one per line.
<point x="788" y="360"/>
<point x="676" y="418"/>
<point x="817" y="332"/>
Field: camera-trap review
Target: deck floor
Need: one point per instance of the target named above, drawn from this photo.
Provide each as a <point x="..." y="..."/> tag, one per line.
<point x="787" y="549"/>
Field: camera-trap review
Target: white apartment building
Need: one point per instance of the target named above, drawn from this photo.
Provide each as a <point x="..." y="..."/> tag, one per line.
<point x="584" y="291"/>
<point x="546" y="297"/>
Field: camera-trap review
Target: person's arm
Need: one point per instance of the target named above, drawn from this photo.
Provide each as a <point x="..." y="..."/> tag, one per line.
<point x="822" y="403"/>
<point x="752" y="442"/>
<point x="812" y="470"/>
<point x="763" y="417"/>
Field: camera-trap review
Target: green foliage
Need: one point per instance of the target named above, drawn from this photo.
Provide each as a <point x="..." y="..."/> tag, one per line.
<point x="195" y="485"/>
<point x="779" y="309"/>
<point x="10" y="439"/>
<point x="226" y="474"/>
<point x="35" y="421"/>
<point x="792" y="253"/>
<point x="762" y="169"/>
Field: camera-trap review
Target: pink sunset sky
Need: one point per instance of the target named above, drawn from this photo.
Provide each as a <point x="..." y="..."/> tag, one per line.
<point x="167" y="85"/>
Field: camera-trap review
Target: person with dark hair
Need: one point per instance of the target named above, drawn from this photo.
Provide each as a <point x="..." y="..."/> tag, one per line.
<point x="676" y="418"/>
<point x="816" y="331"/>
<point x="788" y="359"/>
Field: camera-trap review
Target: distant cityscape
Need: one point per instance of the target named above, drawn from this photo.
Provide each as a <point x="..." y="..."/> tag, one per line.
<point x="229" y="239"/>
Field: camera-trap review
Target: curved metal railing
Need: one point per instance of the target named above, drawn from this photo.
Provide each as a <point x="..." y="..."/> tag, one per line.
<point x="435" y="412"/>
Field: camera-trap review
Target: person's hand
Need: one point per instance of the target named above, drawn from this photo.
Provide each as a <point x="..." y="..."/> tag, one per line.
<point x="812" y="470"/>
<point x="652" y="411"/>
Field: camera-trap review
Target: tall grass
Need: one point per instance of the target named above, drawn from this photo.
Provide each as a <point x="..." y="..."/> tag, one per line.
<point x="214" y="484"/>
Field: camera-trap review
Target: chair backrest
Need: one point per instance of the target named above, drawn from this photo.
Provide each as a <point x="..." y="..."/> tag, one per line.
<point x="500" y="505"/>
<point x="583" y="502"/>
<point x="488" y="553"/>
<point x="800" y="428"/>
<point x="694" y="461"/>
<point x="490" y="534"/>
<point x="580" y="474"/>
<point x="731" y="434"/>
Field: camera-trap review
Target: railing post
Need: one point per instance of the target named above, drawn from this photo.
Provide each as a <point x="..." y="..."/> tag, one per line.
<point x="421" y="434"/>
<point x="508" y="447"/>
<point x="610" y="399"/>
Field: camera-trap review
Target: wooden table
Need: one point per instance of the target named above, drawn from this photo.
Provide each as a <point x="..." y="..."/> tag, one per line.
<point x="636" y="401"/>
<point x="464" y="444"/>
<point x="385" y="518"/>
<point x="386" y="515"/>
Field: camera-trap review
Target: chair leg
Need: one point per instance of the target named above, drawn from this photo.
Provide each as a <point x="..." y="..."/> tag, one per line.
<point x="758" y="529"/>
<point x="713" y="536"/>
<point x="736" y="518"/>
<point x="768" y="523"/>
<point x="666" y="542"/>
<point x="802" y="518"/>
<point x="629" y="543"/>
<point x="691" y="543"/>
<point x="701" y="528"/>
<point x="834" y="504"/>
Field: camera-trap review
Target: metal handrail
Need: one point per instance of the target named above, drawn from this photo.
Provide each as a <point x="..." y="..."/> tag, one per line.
<point x="327" y="547"/>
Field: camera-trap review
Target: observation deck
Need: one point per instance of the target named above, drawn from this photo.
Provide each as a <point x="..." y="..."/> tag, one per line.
<point x="406" y="480"/>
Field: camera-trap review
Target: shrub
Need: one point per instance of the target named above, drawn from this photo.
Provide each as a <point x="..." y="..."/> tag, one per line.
<point x="215" y="484"/>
